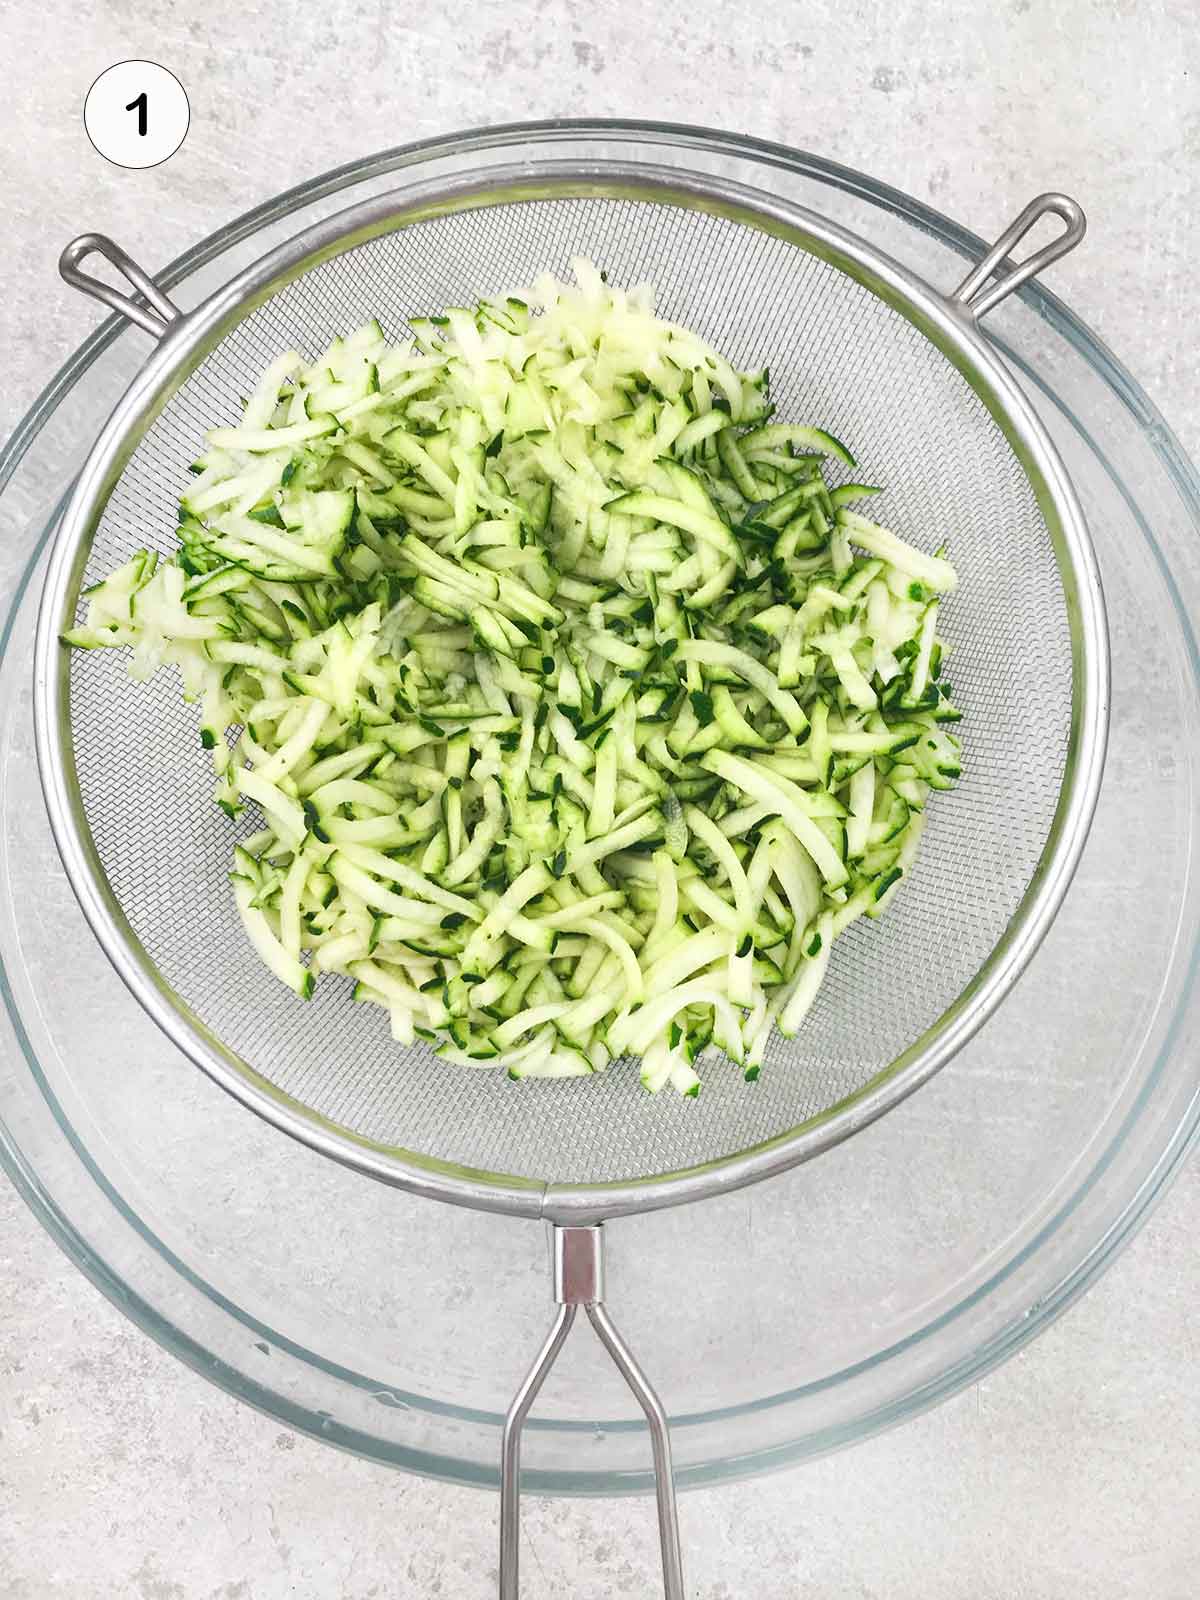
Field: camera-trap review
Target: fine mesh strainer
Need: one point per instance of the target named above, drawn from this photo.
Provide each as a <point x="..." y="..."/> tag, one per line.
<point x="856" y="343"/>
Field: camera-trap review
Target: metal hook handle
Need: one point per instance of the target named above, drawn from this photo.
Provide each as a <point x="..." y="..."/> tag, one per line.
<point x="579" y="1281"/>
<point x="1059" y="205"/>
<point x="155" y="318"/>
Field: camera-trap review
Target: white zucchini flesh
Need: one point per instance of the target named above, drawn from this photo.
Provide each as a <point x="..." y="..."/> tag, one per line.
<point x="580" y="712"/>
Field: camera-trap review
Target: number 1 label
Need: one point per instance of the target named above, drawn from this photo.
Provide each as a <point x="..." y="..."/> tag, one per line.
<point x="142" y="107"/>
<point x="117" y="116"/>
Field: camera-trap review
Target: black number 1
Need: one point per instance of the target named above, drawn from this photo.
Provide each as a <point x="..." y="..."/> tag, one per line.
<point x="141" y="106"/>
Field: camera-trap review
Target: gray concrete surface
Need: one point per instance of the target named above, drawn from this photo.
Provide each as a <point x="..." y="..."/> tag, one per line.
<point x="1073" y="1470"/>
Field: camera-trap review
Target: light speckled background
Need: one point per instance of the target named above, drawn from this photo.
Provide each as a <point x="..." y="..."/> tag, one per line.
<point x="1076" y="1468"/>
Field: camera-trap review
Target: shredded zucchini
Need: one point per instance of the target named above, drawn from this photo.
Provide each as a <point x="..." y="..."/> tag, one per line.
<point x="577" y="710"/>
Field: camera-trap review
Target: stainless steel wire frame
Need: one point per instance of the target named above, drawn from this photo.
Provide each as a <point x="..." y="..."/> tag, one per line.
<point x="856" y="342"/>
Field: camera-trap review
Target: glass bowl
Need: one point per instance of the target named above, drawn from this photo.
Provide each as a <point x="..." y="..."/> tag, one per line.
<point x="778" y="1322"/>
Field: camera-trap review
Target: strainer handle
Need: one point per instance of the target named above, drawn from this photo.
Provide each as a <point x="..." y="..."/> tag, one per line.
<point x="579" y="1281"/>
<point x="155" y="318"/>
<point x="977" y="300"/>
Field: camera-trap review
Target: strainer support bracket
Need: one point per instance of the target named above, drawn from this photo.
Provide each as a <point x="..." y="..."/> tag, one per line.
<point x="975" y="299"/>
<point x="154" y="318"/>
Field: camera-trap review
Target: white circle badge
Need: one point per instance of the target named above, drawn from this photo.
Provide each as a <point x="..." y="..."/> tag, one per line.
<point x="136" y="114"/>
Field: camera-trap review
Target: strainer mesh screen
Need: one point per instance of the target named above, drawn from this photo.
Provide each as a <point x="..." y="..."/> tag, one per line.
<point x="839" y="357"/>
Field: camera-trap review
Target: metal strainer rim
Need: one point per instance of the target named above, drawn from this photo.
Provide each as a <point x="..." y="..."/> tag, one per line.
<point x="958" y="337"/>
